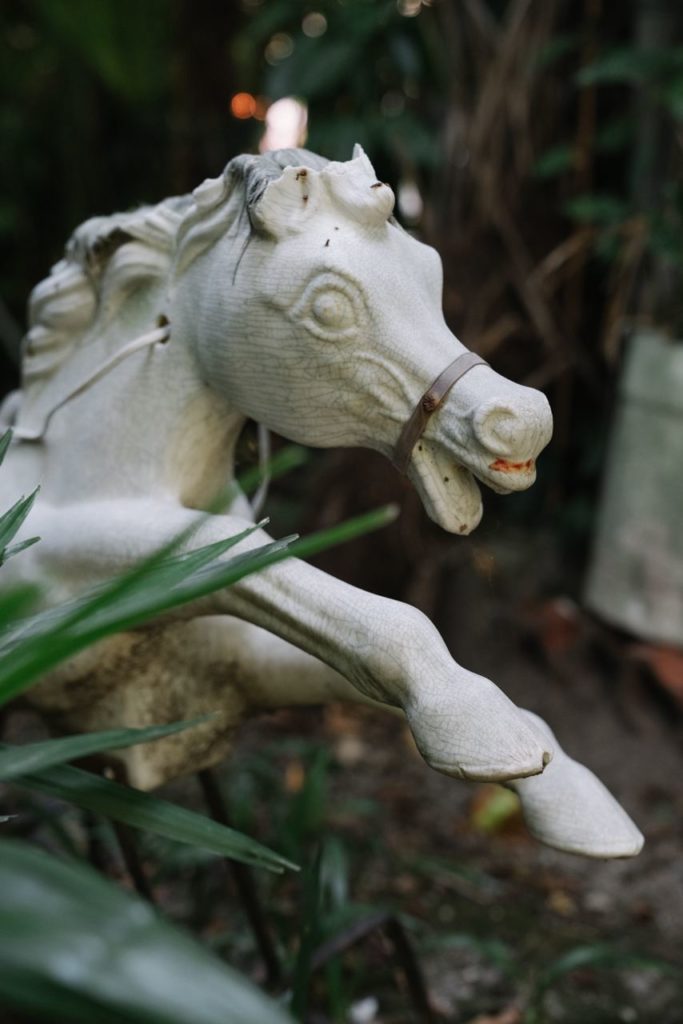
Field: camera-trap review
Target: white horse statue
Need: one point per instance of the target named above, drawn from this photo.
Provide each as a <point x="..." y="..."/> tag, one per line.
<point x="284" y="291"/>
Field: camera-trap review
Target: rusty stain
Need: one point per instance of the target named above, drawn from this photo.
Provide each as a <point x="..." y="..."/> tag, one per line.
<point x="429" y="403"/>
<point x="305" y="198"/>
<point x="301" y="174"/>
<point x="503" y="466"/>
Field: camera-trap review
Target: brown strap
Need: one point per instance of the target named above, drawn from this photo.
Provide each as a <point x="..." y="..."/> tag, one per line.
<point x="428" y="404"/>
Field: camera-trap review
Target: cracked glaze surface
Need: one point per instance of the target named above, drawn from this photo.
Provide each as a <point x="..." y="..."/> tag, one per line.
<point x="293" y="297"/>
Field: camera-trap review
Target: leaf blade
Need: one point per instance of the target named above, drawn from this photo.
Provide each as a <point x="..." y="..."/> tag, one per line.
<point x="5" y="442"/>
<point x="12" y="520"/>
<point x="143" y="811"/>
<point x="82" y="947"/>
<point x="33" y="757"/>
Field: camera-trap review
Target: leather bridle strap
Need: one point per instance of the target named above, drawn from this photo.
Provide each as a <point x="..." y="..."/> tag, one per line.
<point x="158" y="336"/>
<point x="433" y="397"/>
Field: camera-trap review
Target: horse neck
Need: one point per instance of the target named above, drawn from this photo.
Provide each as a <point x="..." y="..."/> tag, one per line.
<point x="150" y="427"/>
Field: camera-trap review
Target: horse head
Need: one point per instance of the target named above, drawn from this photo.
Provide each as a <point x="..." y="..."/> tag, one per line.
<point x="326" y="325"/>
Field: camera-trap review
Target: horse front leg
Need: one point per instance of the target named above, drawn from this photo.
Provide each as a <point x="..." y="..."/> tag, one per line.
<point x="462" y="723"/>
<point x="566" y="807"/>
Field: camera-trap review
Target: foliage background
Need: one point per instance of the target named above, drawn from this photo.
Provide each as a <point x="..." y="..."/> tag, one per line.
<point x="544" y="139"/>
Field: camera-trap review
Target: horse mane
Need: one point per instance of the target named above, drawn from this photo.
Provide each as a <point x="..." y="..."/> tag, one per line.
<point x="107" y="258"/>
<point x="104" y="260"/>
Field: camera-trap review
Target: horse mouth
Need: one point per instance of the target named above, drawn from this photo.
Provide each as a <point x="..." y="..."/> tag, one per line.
<point x="505" y="466"/>
<point x="448" y="485"/>
<point x="447" y="488"/>
<point x="505" y="476"/>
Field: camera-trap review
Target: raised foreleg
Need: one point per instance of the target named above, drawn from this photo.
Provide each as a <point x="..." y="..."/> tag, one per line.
<point x="566" y="807"/>
<point x="462" y="723"/>
<point x="231" y="669"/>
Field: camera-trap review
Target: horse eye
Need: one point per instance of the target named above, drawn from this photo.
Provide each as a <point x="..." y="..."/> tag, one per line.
<point x="333" y="309"/>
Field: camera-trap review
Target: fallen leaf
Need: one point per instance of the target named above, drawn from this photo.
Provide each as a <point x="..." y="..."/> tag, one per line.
<point x="295" y="776"/>
<point x="557" y="625"/>
<point x="494" y="809"/>
<point x="665" y="664"/>
<point x="510" y="1015"/>
<point x="561" y="902"/>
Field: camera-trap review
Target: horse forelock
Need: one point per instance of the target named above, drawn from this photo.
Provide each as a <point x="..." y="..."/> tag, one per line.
<point x="351" y="185"/>
<point x="229" y="203"/>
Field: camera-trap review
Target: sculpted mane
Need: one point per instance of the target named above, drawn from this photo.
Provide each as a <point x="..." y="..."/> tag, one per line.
<point x="104" y="260"/>
<point x="107" y="258"/>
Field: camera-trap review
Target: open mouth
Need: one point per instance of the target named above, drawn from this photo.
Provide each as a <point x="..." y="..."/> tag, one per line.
<point x="504" y="475"/>
<point x="449" y="490"/>
<point x="505" y="466"/>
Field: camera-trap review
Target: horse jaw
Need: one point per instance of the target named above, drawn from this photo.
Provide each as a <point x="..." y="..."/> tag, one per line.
<point x="448" y="491"/>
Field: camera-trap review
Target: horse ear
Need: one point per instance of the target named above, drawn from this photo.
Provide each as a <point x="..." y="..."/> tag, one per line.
<point x="360" y="154"/>
<point x="287" y="202"/>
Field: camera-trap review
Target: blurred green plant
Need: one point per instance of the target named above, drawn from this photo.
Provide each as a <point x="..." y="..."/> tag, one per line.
<point x="638" y="222"/>
<point x="50" y="966"/>
<point x="78" y="948"/>
<point x="392" y="102"/>
<point x="594" y="956"/>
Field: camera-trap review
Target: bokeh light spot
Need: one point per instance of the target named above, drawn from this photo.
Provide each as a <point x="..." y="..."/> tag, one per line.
<point x="410" y="203"/>
<point x="314" y="24"/>
<point x="286" y="122"/>
<point x="280" y="46"/>
<point x="243" y="105"/>
<point x="409" y="8"/>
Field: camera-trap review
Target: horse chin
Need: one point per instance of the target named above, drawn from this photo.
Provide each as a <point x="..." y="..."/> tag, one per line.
<point x="448" y="491"/>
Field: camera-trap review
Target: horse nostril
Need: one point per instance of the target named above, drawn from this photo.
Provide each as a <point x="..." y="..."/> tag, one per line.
<point x="520" y="431"/>
<point x="498" y="429"/>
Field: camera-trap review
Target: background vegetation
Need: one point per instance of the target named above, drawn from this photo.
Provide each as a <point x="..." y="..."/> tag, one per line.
<point x="537" y="145"/>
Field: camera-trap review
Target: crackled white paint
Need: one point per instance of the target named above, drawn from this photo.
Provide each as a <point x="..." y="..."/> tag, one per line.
<point x="293" y="297"/>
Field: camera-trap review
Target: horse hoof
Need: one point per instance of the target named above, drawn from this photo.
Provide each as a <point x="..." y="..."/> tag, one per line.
<point x="475" y="732"/>
<point x="570" y="809"/>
